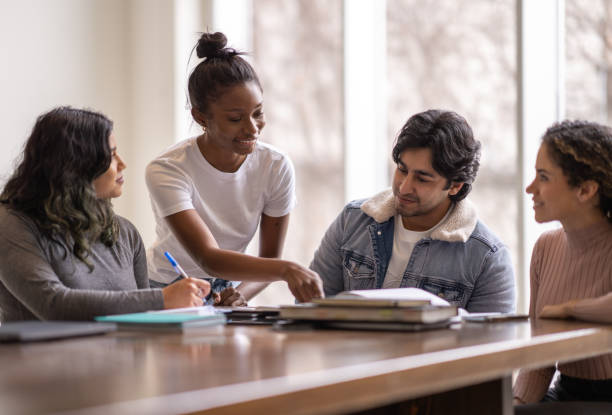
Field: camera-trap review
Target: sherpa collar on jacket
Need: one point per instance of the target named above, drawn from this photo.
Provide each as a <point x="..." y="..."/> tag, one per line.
<point x="457" y="227"/>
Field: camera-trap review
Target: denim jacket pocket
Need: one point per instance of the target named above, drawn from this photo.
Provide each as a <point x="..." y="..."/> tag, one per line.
<point x="454" y="292"/>
<point x="359" y="271"/>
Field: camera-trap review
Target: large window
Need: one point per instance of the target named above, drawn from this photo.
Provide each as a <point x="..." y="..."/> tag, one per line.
<point x="446" y="55"/>
<point x="439" y="55"/>
<point x="499" y="63"/>
<point x="298" y="55"/>
<point x="588" y="65"/>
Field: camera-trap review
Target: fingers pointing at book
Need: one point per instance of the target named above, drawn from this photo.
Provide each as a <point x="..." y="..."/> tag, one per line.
<point x="188" y="292"/>
<point x="303" y="283"/>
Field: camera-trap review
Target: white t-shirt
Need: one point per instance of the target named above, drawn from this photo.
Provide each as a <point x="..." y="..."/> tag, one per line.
<point x="230" y="204"/>
<point x="404" y="241"/>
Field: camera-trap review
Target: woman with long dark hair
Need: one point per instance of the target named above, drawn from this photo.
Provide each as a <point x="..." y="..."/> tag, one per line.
<point x="65" y="254"/>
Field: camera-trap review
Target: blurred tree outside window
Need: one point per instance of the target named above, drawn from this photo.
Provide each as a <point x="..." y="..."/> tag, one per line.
<point x="440" y="54"/>
<point x="298" y="55"/>
<point x="460" y="57"/>
<point x="588" y="60"/>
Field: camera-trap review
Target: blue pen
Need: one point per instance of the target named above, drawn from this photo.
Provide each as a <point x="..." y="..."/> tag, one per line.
<point x="175" y="265"/>
<point x="180" y="270"/>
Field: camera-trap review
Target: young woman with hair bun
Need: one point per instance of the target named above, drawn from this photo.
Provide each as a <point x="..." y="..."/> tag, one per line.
<point x="571" y="267"/>
<point x="65" y="254"/>
<point x="211" y="192"/>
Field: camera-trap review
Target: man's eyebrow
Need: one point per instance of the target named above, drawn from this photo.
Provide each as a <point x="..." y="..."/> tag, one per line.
<point x="542" y="171"/>
<point x="419" y="172"/>
<point x="424" y="173"/>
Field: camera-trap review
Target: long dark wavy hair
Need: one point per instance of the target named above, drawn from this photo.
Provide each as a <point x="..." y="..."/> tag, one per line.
<point x="53" y="183"/>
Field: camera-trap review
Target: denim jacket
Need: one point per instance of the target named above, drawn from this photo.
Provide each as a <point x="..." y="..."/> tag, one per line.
<point x="462" y="261"/>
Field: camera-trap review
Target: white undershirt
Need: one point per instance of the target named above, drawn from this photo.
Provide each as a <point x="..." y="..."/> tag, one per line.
<point x="404" y="241"/>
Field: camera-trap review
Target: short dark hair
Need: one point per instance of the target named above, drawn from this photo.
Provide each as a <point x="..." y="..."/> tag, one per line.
<point x="583" y="150"/>
<point x="221" y="68"/>
<point x="455" y="152"/>
<point x="53" y="183"/>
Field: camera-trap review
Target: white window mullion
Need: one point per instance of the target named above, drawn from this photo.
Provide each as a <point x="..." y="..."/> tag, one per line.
<point x="541" y="102"/>
<point x="366" y="153"/>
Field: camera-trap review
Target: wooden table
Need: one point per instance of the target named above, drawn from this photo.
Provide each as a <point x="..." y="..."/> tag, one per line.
<point x="255" y="370"/>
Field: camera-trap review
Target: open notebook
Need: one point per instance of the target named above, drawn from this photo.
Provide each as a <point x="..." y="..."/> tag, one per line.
<point x="390" y="297"/>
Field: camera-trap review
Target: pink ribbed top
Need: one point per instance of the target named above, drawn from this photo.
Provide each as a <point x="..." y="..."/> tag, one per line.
<point x="567" y="266"/>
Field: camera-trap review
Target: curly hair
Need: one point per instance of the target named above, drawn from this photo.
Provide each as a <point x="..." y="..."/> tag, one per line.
<point x="455" y="152"/>
<point x="583" y="150"/>
<point x="53" y="183"/>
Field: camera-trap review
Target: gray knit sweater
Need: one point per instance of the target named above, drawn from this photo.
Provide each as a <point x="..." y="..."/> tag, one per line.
<point x="41" y="280"/>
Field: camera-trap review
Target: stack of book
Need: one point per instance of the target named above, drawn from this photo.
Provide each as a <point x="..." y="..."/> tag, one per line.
<point x="384" y="309"/>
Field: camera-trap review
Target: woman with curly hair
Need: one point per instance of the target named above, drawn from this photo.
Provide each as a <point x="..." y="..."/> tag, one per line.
<point x="65" y="254"/>
<point x="571" y="267"/>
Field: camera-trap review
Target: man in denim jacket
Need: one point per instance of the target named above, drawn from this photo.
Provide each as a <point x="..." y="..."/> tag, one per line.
<point x="439" y="244"/>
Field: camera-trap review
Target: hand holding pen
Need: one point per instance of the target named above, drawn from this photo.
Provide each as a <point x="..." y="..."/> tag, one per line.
<point x="187" y="292"/>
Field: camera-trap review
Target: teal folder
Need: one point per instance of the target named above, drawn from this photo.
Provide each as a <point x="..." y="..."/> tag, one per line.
<point x="163" y="321"/>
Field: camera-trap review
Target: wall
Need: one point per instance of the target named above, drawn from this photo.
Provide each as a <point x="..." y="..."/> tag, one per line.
<point x="123" y="58"/>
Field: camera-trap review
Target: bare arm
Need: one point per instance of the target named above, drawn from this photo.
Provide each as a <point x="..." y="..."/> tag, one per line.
<point x="194" y="235"/>
<point x="272" y="233"/>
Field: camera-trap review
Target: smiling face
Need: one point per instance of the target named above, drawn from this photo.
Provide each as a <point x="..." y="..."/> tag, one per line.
<point x="109" y="184"/>
<point x="232" y="125"/>
<point x="421" y="193"/>
<point x="553" y="197"/>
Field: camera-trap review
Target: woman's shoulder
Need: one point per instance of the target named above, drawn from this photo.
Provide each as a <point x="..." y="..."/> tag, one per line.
<point x="269" y="152"/>
<point x="127" y="231"/>
<point x="17" y="227"/>
<point x="125" y="225"/>
<point x="13" y="221"/>
<point x="549" y="238"/>
<point x="176" y="153"/>
<point x="270" y="158"/>
<point x="174" y="161"/>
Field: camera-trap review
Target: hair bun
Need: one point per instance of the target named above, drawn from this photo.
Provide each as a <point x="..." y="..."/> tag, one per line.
<point x="212" y="45"/>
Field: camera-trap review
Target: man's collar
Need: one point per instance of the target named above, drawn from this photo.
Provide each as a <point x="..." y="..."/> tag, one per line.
<point x="456" y="228"/>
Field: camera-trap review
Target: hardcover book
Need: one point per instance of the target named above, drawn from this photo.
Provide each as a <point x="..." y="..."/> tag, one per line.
<point x="417" y="314"/>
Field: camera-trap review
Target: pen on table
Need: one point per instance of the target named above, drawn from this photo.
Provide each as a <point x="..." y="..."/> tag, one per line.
<point x="175" y="265"/>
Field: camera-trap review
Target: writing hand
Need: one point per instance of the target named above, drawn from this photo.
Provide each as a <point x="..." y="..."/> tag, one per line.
<point x="187" y="292"/>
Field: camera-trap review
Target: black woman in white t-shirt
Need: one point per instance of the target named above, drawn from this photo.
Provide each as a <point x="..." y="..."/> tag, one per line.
<point x="210" y="193"/>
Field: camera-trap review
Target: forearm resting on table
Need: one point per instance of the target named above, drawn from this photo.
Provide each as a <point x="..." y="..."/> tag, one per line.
<point x="597" y="309"/>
